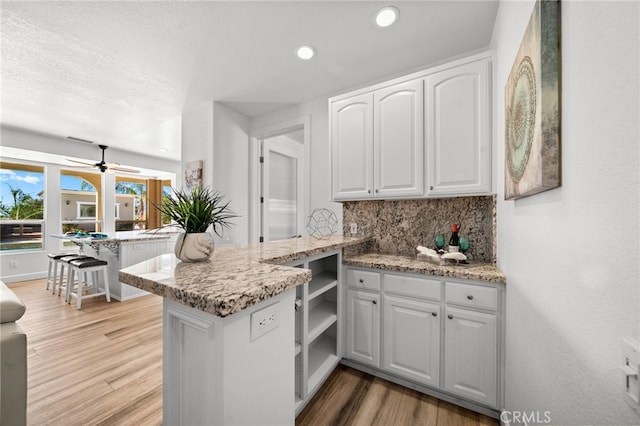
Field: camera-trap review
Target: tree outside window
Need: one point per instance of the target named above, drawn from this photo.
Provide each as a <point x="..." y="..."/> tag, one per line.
<point x="21" y="206"/>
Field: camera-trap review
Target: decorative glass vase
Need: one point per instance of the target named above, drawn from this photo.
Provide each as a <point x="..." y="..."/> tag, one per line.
<point x="194" y="247"/>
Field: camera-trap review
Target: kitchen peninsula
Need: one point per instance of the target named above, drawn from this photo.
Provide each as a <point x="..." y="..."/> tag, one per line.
<point x="231" y="334"/>
<point x="122" y="249"/>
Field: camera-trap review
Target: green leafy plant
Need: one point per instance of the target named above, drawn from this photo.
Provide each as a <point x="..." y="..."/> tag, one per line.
<point x="195" y="210"/>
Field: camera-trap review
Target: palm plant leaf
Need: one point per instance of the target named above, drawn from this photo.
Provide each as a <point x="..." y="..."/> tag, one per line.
<point x="196" y="210"/>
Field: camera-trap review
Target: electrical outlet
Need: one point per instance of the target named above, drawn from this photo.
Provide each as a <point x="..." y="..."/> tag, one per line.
<point x="13" y="264"/>
<point x="353" y="228"/>
<point x="264" y="320"/>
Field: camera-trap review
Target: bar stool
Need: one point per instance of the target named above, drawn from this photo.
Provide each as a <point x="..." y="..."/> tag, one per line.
<point x="64" y="263"/>
<point x="82" y="268"/>
<point x="52" y="273"/>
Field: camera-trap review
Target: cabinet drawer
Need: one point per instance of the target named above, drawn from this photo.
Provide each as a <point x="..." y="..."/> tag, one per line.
<point x="412" y="286"/>
<point x="363" y="279"/>
<point x="472" y="295"/>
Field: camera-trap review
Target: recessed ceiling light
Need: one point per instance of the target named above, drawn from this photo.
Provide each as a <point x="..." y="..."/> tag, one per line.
<point x="305" y="52"/>
<point x="386" y="16"/>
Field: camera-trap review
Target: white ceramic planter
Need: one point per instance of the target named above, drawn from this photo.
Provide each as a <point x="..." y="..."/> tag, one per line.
<point x="194" y="247"/>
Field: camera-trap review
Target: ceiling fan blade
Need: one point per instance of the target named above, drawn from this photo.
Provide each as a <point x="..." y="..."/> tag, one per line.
<point x="82" y="162"/>
<point x="123" y="169"/>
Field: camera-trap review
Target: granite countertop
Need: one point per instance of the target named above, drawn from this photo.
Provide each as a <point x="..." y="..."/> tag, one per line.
<point x="236" y="277"/>
<point x="472" y="271"/>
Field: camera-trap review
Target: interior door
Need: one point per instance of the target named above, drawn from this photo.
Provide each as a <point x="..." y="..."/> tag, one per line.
<point x="282" y="187"/>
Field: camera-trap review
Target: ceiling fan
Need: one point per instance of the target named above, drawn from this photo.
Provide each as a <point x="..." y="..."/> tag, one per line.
<point x="103" y="166"/>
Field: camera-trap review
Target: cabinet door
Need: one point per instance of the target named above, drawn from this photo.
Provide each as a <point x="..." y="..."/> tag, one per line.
<point x="398" y="140"/>
<point x="458" y="128"/>
<point x="471" y="355"/>
<point x="352" y="147"/>
<point x="363" y="327"/>
<point x="412" y="339"/>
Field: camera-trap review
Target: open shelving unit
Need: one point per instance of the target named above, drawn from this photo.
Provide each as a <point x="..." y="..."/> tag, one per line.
<point x="318" y="346"/>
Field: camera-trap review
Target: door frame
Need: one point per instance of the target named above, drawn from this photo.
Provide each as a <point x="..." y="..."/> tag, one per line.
<point x="280" y="128"/>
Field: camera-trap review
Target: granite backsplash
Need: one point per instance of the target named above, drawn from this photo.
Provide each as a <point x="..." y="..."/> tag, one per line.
<point x="399" y="226"/>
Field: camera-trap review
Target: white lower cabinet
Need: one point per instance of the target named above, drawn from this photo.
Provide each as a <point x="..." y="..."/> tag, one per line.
<point x="411" y="336"/>
<point x="471" y="354"/>
<point x="444" y="336"/>
<point x="363" y="327"/>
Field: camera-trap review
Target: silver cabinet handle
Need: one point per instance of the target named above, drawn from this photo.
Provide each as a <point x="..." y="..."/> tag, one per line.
<point x="361" y="280"/>
<point x="470" y="297"/>
<point x="450" y="316"/>
<point x="433" y="314"/>
<point x="368" y="191"/>
<point x="431" y="187"/>
<point x="377" y="191"/>
<point x="374" y="302"/>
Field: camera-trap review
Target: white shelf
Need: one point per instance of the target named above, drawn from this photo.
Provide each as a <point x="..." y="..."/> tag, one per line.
<point x="322" y="282"/>
<point x="321" y="317"/>
<point x="322" y="360"/>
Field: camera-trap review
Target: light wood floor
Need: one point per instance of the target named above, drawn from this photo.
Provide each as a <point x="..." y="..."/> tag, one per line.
<point x="102" y="365"/>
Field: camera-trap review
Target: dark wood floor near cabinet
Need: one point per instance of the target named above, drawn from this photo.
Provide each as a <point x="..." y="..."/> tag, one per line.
<point x="351" y="397"/>
<point x="102" y="365"/>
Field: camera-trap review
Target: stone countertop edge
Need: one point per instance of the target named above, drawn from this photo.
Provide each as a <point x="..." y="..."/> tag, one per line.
<point x="236" y="277"/>
<point x="473" y="271"/>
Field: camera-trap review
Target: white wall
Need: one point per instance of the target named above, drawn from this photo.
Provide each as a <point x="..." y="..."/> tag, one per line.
<point x="231" y="169"/>
<point x="220" y="137"/>
<point x="197" y="140"/>
<point x="571" y="255"/>
<point x="320" y="156"/>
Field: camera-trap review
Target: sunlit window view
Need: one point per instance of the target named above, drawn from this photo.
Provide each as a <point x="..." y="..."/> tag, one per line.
<point x="131" y="195"/>
<point x="21" y="206"/>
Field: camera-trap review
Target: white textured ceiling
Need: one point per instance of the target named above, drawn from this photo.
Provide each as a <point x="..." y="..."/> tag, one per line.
<point x="108" y="71"/>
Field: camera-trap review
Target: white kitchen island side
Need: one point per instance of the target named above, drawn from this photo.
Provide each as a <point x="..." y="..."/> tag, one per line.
<point x="229" y="330"/>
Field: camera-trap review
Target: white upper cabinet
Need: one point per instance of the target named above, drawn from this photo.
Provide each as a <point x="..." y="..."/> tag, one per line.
<point x="425" y="134"/>
<point x="378" y="143"/>
<point x="352" y="136"/>
<point x="398" y="140"/>
<point x="458" y="130"/>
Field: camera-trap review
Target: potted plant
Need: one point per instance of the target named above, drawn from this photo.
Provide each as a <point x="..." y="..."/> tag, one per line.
<point x="194" y="211"/>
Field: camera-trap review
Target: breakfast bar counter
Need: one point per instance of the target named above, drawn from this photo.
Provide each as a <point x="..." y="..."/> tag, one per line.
<point x="229" y="330"/>
<point x="236" y="277"/>
<point x="122" y="249"/>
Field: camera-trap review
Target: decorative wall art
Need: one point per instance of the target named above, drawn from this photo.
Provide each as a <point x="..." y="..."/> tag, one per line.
<point x="532" y="107"/>
<point x="193" y="174"/>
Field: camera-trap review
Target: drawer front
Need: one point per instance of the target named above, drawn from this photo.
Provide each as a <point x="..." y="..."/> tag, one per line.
<point x="412" y="286"/>
<point x="472" y="295"/>
<point x="363" y="279"/>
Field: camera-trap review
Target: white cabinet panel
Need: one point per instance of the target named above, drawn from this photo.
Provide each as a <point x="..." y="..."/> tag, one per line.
<point x="458" y="135"/>
<point x="412" y="339"/>
<point x="471" y="354"/>
<point x="398" y="139"/>
<point x="363" y="327"/>
<point x="352" y="148"/>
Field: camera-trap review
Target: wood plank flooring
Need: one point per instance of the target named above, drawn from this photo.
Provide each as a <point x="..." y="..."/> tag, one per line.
<point x="102" y="365"/>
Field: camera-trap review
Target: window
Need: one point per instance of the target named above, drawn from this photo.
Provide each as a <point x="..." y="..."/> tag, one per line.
<point x="85" y="210"/>
<point x="21" y="207"/>
<point x="133" y="193"/>
<point x="79" y="202"/>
